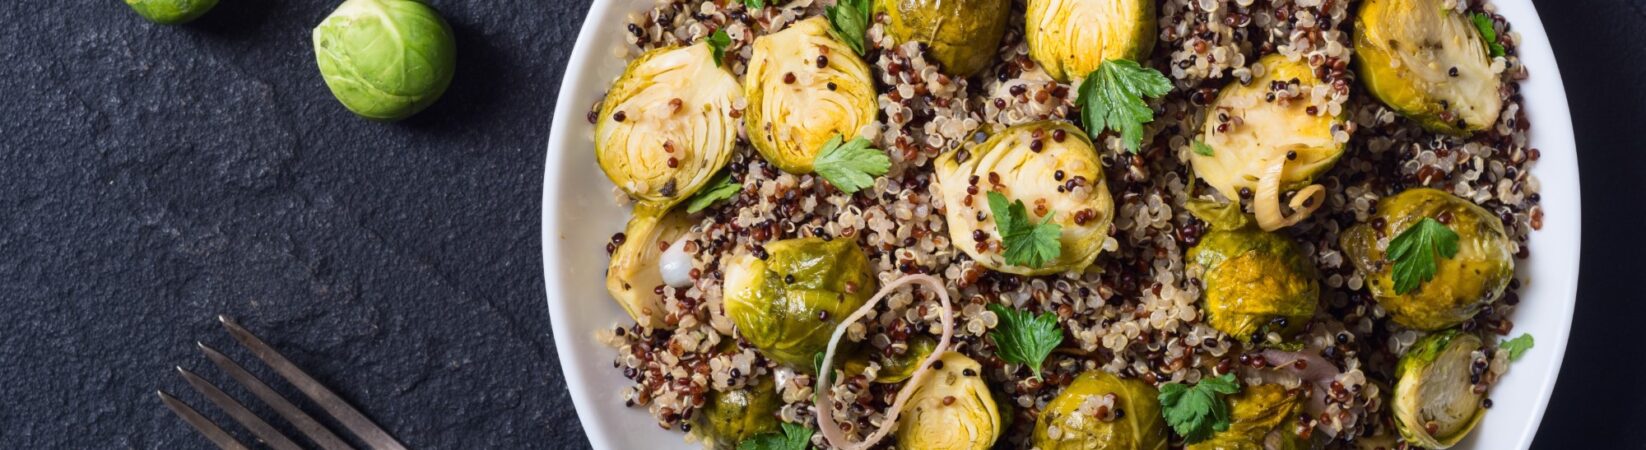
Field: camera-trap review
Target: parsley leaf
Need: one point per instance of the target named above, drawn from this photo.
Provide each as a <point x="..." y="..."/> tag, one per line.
<point x="720" y="188"/>
<point x="1200" y="148"/>
<point x="849" y="20"/>
<point x="1197" y="412"/>
<point x="717" y="43"/>
<point x="1516" y="347"/>
<point x="851" y="166"/>
<point x="793" y="437"/>
<point x="1024" y="338"/>
<point x="1487" y="33"/>
<point x="1416" y="250"/>
<point x="754" y="4"/>
<point x="1111" y="98"/>
<point x="1027" y="244"/>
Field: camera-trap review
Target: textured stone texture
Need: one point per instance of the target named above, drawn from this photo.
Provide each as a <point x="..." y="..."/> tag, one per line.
<point x="152" y="177"/>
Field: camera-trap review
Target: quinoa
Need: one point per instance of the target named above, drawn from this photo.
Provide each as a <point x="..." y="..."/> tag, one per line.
<point x="1134" y="312"/>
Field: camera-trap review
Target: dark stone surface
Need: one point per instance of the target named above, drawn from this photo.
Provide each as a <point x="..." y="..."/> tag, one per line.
<point x="152" y="177"/>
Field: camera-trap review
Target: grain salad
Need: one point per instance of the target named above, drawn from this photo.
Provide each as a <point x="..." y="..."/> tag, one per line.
<point x="1069" y="224"/>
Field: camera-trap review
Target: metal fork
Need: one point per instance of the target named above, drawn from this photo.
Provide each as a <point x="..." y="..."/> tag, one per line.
<point x="351" y="419"/>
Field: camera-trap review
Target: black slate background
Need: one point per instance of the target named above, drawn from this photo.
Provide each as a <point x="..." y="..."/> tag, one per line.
<point x="152" y="177"/>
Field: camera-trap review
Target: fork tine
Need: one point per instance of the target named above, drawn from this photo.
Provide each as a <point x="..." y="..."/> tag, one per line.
<point x="304" y="423"/>
<point x="239" y="412"/>
<point x="352" y="419"/>
<point x="213" y="433"/>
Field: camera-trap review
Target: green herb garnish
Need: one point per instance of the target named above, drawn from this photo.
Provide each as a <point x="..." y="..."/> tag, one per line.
<point x="1416" y="251"/>
<point x="1516" y="347"/>
<point x="1200" y="148"/>
<point x="718" y="43"/>
<point x="1027" y="244"/>
<point x="850" y="166"/>
<point x="1112" y="98"/>
<point x="754" y="4"/>
<point x="793" y="437"/>
<point x="1197" y="412"/>
<point x="1483" y="23"/>
<point x="1024" y="338"/>
<point x="720" y="188"/>
<point x="849" y="21"/>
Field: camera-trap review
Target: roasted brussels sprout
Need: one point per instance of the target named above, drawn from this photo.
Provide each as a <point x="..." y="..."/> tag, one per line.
<point x="731" y="417"/>
<point x="951" y="410"/>
<point x="633" y="273"/>
<point x="1256" y="283"/>
<point x="1053" y="169"/>
<point x="1463" y="283"/>
<point x="962" y="35"/>
<point x="1262" y="417"/>
<point x="666" y="127"/>
<point x="805" y="87"/>
<point x="1123" y="414"/>
<point x="1262" y="144"/>
<point x="896" y="368"/>
<point x="788" y="303"/>
<point x="171" y="12"/>
<point x="385" y="59"/>
<point x="1427" y="62"/>
<point x="1070" y="38"/>
<point x="1434" y="402"/>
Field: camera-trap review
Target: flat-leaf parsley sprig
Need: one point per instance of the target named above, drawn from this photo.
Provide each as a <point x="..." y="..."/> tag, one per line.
<point x="1197" y="412"/>
<point x="1416" y="253"/>
<point x="850" y="165"/>
<point x="1024" y="338"/>
<point x="1113" y="98"/>
<point x="1028" y="244"/>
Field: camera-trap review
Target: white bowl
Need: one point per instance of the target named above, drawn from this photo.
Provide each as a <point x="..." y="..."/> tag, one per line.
<point x="579" y="217"/>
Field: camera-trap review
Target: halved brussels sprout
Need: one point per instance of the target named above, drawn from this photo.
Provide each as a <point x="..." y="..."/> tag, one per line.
<point x="1070" y="38"/>
<point x="1263" y="144"/>
<point x="805" y="87"/>
<point x="1085" y="417"/>
<point x="1427" y="62"/>
<point x="963" y="35"/>
<point x="1053" y="169"/>
<point x="633" y="274"/>
<point x="788" y="303"/>
<point x="1434" y="402"/>
<point x="951" y="410"/>
<point x="896" y="368"/>
<point x="666" y="127"/>
<point x="1472" y="278"/>
<point x="1256" y="282"/>
<point x="1262" y="417"/>
<point x="731" y="417"/>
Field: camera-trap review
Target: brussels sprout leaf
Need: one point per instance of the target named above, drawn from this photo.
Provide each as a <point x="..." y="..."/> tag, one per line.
<point x="850" y="166"/>
<point x="1024" y="338"/>
<point x="1516" y="347"/>
<point x="754" y="4"/>
<point x="1415" y="253"/>
<point x="1487" y="33"/>
<point x="1197" y="412"/>
<point x="1200" y="148"/>
<point x="1027" y="244"/>
<point x="1112" y="98"/>
<point x="720" y="188"/>
<point x="718" y="42"/>
<point x="793" y="437"/>
<point x="849" y="20"/>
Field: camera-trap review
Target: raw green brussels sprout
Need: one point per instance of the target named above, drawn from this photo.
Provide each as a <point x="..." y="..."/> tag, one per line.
<point x="1427" y="62"/>
<point x="896" y="368"/>
<point x="1434" y="403"/>
<point x="805" y="87"/>
<point x="1262" y="417"/>
<point x="788" y="304"/>
<point x="1070" y="38"/>
<point x="633" y="273"/>
<point x="385" y="59"/>
<point x="667" y="125"/>
<point x="171" y="12"/>
<point x="1256" y="282"/>
<point x="962" y="35"/>
<point x="1266" y="147"/>
<point x="731" y="417"/>
<point x="1068" y="423"/>
<point x="952" y="410"/>
<point x="1024" y="163"/>
<point x="1464" y="283"/>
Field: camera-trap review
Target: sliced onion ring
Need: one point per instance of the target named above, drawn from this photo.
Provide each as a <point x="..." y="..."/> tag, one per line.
<point x="1266" y="201"/>
<point x="824" y="405"/>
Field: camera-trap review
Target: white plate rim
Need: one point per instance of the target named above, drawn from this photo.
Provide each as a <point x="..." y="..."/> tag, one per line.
<point x="609" y="425"/>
